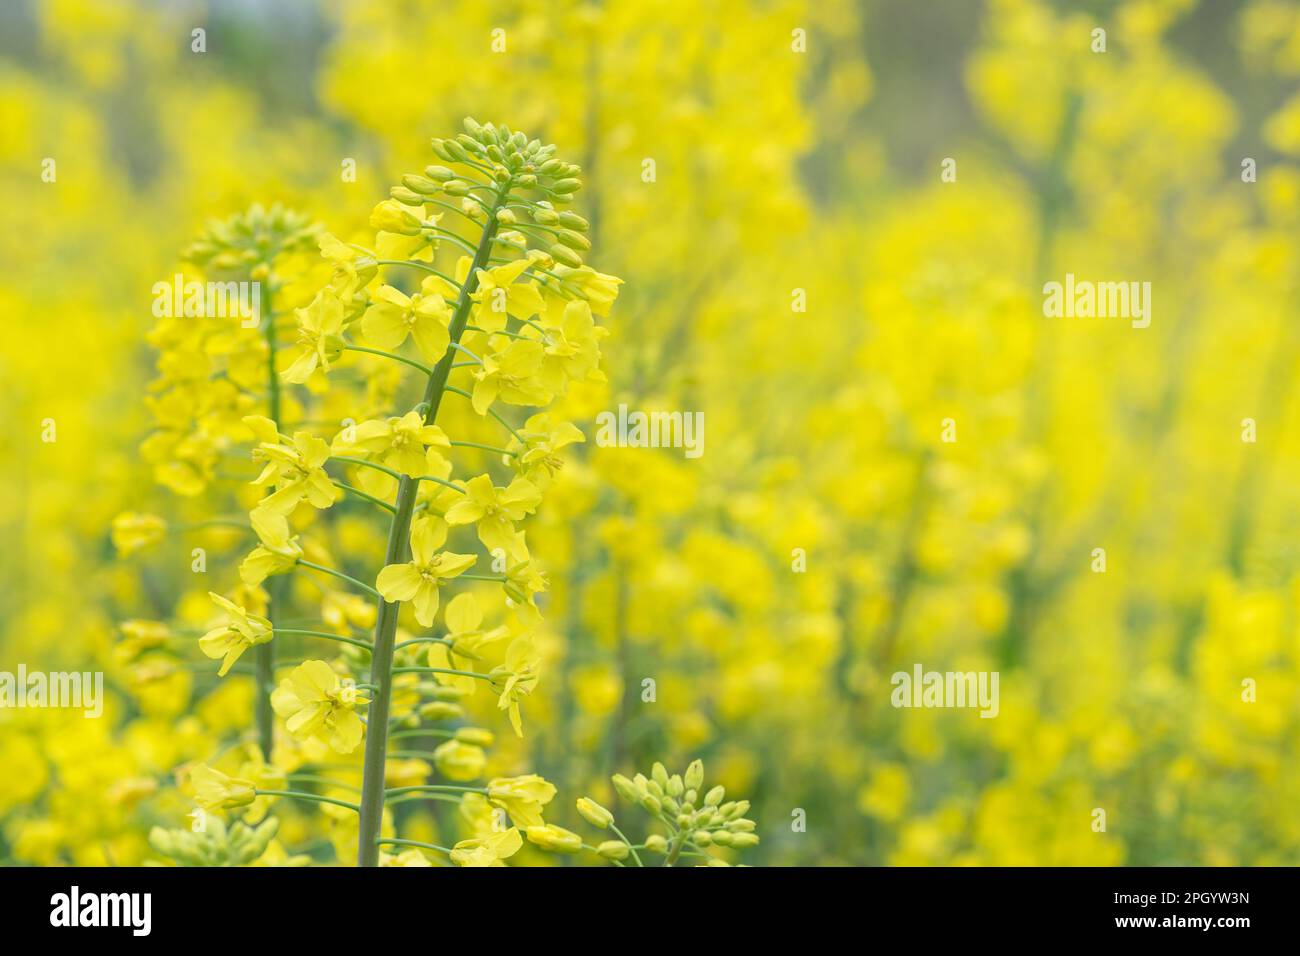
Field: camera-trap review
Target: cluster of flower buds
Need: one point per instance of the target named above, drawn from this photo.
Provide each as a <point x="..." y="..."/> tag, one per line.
<point x="695" y="819"/>
<point x="678" y="801"/>
<point x="533" y="173"/>
<point x="241" y="243"/>
<point x="215" y="844"/>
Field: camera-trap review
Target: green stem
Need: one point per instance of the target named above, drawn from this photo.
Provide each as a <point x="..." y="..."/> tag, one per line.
<point x="388" y="355"/>
<point x="325" y="634"/>
<point x="381" y="661"/>
<point x="440" y="670"/>
<point x="364" y="495"/>
<point x="368" y="464"/>
<point x="619" y="833"/>
<point x="311" y="797"/>
<point x="416" y="843"/>
<point x="340" y="575"/>
<point x="264" y="654"/>
<point x="475" y="444"/>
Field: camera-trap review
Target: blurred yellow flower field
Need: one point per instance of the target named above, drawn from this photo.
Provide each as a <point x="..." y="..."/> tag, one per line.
<point x="641" y="487"/>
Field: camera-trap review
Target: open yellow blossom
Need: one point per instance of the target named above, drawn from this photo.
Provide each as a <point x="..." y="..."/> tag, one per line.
<point x="293" y="465"/>
<point x="516" y="678"/>
<point x="511" y="375"/>
<point x="400" y="235"/>
<point x="231" y="640"/>
<point x="499" y="295"/>
<point x="316" y="704"/>
<point x="133" y="532"/>
<point x="598" y="289"/>
<point x="572" y="349"/>
<point x="278" y="552"/>
<point x="423" y="317"/>
<point x="494" y="512"/>
<point x="522" y="797"/>
<point x="556" y="839"/>
<point x="213" y="790"/>
<point x="537" y="445"/>
<point x="487" y="850"/>
<point x="320" y="337"/>
<point x="459" y="761"/>
<point x="402" y="444"/>
<point x="464" y="619"/>
<point x="429" y="570"/>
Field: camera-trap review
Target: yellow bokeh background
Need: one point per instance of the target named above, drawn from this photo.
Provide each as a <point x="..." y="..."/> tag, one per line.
<point x="798" y="149"/>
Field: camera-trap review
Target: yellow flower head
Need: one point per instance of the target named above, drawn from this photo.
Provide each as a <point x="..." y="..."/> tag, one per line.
<point x="404" y="444"/>
<point x="516" y="678"/>
<point x="320" y="337"/>
<point x="315" y="704"/>
<point x="294" y="465"/>
<point x="243" y="631"/>
<point x="213" y="790"/>
<point x="133" y="532"/>
<point x="522" y="797"/>
<point x="278" y="552"/>
<point x="495" y="510"/>
<point x="499" y="295"/>
<point x="428" y="572"/>
<point x="512" y="375"/>
<point x="423" y="317"/>
<point x="488" y="850"/>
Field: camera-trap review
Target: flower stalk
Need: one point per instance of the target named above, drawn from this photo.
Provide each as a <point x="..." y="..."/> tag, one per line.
<point x="381" y="662"/>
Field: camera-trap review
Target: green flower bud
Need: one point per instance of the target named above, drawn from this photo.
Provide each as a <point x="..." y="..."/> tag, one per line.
<point x="547" y="217"/>
<point x="574" y="240"/>
<point x="571" y="220"/>
<point x="566" y="255"/>
<point x="456" y="187"/>
<point x="477" y="736"/>
<point x="553" y="838"/>
<point x="655" y="843"/>
<point x="594" y="813"/>
<point x="651" y="805"/>
<point x="439" y="173"/>
<point x="454" y="151"/>
<point x="739" y="810"/>
<point x="702" y="837"/>
<point x="419" y="184"/>
<point x="742" y="840"/>
<point x="405" y="196"/>
<point x="550" y="167"/>
<point x="626" y="788"/>
<point x="613" y="850"/>
<point x="723" y="838"/>
<point x="714" y="796"/>
<point x="441" y="710"/>
<point x="565" y="186"/>
<point x="741" y="826"/>
<point x="440" y="148"/>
